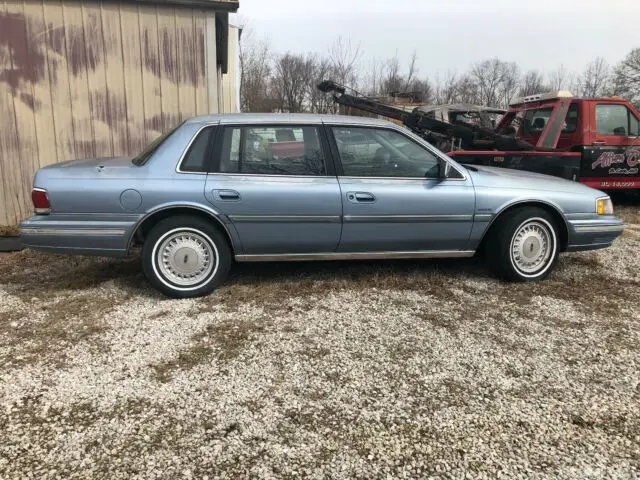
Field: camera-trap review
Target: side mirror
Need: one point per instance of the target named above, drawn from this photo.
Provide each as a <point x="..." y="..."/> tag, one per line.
<point x="443" y="171"/>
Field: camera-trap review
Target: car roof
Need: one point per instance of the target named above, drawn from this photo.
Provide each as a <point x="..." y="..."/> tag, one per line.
<point x="288" y="118"/>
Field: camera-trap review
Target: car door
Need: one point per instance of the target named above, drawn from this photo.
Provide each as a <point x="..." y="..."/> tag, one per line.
<point x="393" y="199"/>
<point x="278" y="188"/>
<point x="611" y="159"/>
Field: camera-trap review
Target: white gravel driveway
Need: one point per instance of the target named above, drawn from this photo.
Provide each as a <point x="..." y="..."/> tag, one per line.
<point x="350" y="370"/>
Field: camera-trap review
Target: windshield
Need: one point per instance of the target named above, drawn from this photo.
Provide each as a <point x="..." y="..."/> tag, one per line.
<point x="144" y="156"/>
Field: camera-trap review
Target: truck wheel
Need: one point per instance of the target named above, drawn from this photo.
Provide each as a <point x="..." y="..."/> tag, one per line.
<point x="523" y="245"/>
<point x="185" y="257"/>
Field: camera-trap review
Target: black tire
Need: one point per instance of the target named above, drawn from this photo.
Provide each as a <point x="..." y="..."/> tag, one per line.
<point x="198" y="240"/>
<point x="510" y="262"/>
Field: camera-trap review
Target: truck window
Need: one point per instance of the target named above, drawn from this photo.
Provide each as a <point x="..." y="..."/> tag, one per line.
<point x="634" y="126"/>
<point x="571" y="120"/>
<point x="615" y="120"/>
<point x="536" y="120"/>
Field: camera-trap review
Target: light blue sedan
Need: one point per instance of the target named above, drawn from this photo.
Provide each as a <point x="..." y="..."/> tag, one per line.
<point x="279" y="187"/>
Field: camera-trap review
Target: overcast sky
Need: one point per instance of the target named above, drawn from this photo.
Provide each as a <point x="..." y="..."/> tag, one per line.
<point x="452" y="34"/>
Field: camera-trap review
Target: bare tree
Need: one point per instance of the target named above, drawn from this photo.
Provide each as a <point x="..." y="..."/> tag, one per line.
<point x="255" y="71"/>
<point x="293" y="76"/>
<point x="626" y="77"/>
<point x="510" y="84"/>
<point x="344" y="58"/>
<point x="372" y="81"/>
<point x="412" y="72"/>
<point x="320" y="102"/>
<point x="490" y="77"/>
<point x="594" y="81"/>
<point x="421" y="91"/>
<point x="387" y="79"/>
<point x="392" y="79"/>
<point x="467" y="90"/>
<point x="532" y="82"/>
<point x="446" y="89"/>
<point x="559" y="79"/>
<point x="289" y="82"/>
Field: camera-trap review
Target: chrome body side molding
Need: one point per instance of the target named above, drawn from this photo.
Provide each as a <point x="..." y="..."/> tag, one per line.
<point x="286" y="218"/>
<point x="406" y="218"/>
<point x="90" y="232"/>
<point x="301" y="257"/>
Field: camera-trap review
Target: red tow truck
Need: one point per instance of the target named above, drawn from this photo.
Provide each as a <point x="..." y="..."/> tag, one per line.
<point x="592" y="140"/>
<point x="595" y="141"/>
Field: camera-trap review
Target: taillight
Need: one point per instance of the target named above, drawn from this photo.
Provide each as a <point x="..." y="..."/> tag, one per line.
<point x="40" y="201"/>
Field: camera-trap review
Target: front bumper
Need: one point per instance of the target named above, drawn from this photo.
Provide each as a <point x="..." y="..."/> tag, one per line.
<point x="81" y="237"/>
<point x="593" y="233"/>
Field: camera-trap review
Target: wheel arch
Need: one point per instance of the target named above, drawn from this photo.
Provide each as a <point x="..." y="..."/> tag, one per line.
<point x="553" y="210"/>
<point x="146" y="223"/>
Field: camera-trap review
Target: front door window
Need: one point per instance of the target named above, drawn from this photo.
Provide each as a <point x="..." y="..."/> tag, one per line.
<point x="379" y="152"/>
<point x="615" y="120"/>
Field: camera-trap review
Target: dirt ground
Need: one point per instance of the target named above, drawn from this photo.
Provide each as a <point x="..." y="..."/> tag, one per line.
<point x="331" y="370"/>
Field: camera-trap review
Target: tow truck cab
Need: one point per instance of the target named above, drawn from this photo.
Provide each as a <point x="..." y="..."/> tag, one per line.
<point x="595" y="141"/>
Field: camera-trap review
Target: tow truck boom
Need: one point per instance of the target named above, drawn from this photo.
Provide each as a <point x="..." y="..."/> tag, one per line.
<point x="466" y="135"/>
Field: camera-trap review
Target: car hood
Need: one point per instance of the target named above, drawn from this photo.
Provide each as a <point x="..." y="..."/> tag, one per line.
<point x="497" y="177"/>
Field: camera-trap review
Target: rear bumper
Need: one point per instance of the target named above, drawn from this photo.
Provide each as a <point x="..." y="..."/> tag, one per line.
<point x="593" y="233"/>
<point x="98" y="238"/>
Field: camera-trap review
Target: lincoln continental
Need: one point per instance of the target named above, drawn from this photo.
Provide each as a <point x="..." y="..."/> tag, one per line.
<point x="280" y="187"/>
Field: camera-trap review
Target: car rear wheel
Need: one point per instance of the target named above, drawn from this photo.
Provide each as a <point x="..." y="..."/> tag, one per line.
<point x="523" y="245"/>
<point x="185" y="257"/>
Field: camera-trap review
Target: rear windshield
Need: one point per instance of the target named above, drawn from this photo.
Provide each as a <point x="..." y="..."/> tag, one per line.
<point x="144" y="155"/>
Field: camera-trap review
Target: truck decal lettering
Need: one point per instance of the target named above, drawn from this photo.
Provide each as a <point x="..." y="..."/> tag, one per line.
<point x="622" y="171"/>
<point x="631" y="157"/>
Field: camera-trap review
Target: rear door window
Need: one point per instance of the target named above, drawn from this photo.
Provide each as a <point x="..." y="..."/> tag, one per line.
<point x="273" y="150"/>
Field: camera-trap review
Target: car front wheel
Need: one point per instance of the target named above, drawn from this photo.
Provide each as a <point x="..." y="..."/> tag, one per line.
<point x="185" y="257"/>
<point x="523" y="246"/>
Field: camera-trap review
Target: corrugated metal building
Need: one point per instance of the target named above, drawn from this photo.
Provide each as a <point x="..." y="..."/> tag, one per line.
<point x="96" y="78"/>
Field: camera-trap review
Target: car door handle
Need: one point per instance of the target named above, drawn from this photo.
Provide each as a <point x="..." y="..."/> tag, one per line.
<point x="361" y="197"/>
<point x="227" y="194"/>
<point x="598" y="144"/>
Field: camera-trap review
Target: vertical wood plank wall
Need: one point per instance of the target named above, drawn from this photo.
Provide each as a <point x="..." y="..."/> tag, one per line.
<point x="81" y="79"/>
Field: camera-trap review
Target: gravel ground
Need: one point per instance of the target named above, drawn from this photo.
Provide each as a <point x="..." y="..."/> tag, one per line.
<point x="340" y="370"/>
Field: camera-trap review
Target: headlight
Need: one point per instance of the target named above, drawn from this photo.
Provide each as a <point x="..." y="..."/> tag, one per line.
<point x="604" y="206"/>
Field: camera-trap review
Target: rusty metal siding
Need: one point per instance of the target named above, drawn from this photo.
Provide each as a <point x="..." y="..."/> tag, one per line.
<point x="81" y="79"/>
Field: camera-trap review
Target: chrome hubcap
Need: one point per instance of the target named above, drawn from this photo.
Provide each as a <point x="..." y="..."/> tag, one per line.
<point x="531" y="247"/>
<point x="185" y="258"/>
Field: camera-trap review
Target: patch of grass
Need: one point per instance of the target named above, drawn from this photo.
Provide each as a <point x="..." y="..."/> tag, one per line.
<point x="589" y="260"/>
<point x="401" y="352"/>
<point x="223" y="341"/>
<point x="160" y="314"/>
<point x="314" y="352"/>
<point x="44" y="334"/>
<point x="592" y="293"/>
<point x="628" y="213"/>
<point x="189" y="358"/>
<point x="269" y="286"/>
<point x="28" y="274"/>
<point x="439" y="321"/>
